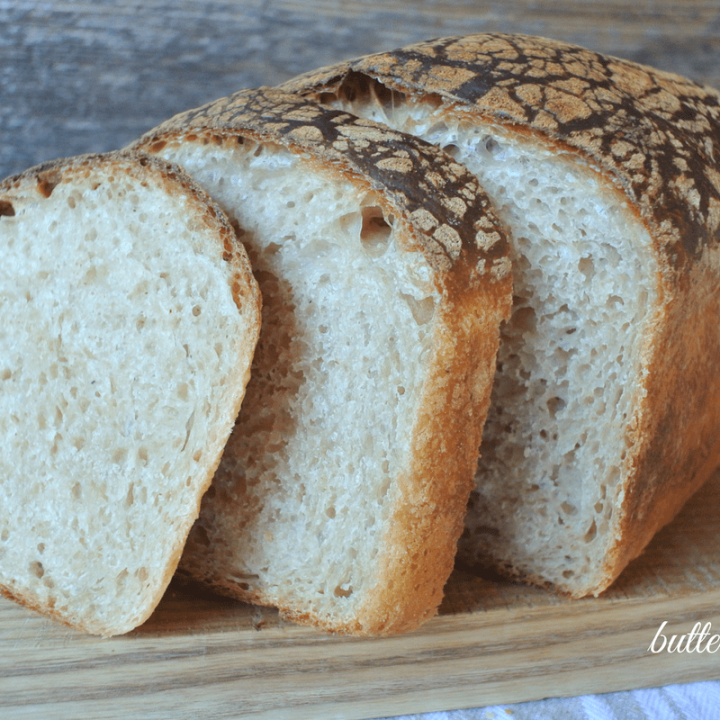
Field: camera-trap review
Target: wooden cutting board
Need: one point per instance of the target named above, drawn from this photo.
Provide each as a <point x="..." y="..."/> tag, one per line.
<point x="493" y="642"/>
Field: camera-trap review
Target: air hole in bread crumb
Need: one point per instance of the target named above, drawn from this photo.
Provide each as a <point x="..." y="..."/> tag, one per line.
<point x="422" y="310"/>
<point x="341" y="592"/>
<point x="119" y="455"/>
<point x="4" y="535"/>
<point x="330" y="512"/>
<point x="142" y="574"/>
<point x="41" y="548"/>
<point x="375" y="231"/>
<point x="129" y="498"/>
<point x="587" y="267"/>
<point x="491" y="145"/>
<point x="196" y="310"/>
<point x="568" y="508"/>
<point x="183" y="391"/>
<point x="37" y="569"/>
<point x="555" y="405"/>
<point x="6" y="209"/>
<point x="78" y="443"/>
<point x="143" y="455"/>
<point x="6" y="374"/>
<point x="196" y="457"/>
<point x="568" y="574"/>
<point x="591" y="533"/>
<point x="76" y="491"/>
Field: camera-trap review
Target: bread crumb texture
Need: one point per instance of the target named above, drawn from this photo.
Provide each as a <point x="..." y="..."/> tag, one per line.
<point x="361" y="283"/>
<point x="122" y="345"/>
<point x="606" y="402"/>
<point x="444" y="200"/>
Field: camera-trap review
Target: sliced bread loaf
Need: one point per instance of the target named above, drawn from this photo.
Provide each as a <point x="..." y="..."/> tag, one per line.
<point x="606" y="404"/>
<point x="128" y="320"/>
<point x="385" y="275"/>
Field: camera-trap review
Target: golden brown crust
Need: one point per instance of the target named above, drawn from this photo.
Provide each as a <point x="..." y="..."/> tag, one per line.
<point x="447" y="216"/>
<point x="674" y="433"/>
<point x="654" y="135"/>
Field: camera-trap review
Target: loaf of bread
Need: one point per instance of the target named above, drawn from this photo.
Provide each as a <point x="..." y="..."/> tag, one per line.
<point x="128" y="320"/>
<point x="385" y="275"/>
<point x="605" y="413"/>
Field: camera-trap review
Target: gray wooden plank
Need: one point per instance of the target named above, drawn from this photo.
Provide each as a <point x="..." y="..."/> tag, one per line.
<point x="90" y="76"/>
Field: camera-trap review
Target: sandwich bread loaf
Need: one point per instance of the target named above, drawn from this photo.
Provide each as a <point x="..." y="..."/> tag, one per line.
<point x="606" y="404"/>
<point x="128" y="320"/>
<point x="385" y="276"/>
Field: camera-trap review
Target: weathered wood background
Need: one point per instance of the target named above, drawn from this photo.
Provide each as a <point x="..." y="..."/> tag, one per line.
<point x="90" y="76"/>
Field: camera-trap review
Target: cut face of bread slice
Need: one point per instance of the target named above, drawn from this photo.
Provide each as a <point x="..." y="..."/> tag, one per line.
<point x="341" y="493"/>
<point x="128" y="320"/>
<point x="606" y="402"/>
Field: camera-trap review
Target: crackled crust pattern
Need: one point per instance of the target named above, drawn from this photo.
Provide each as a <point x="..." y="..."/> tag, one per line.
<point x="657" y="133"/>
<point x="439" y="197"/>
<point x="656" y="136"/>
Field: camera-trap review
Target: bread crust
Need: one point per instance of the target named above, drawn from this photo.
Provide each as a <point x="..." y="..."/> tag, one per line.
<point x="450" y="220"/>
<point x="45" y="177"/>
<point x="656" y="137"/>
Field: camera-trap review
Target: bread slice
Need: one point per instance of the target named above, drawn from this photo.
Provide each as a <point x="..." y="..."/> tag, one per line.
<point x="606" y="404"/>
<point x="128" y="320"/>
<point x="385" y="276"/>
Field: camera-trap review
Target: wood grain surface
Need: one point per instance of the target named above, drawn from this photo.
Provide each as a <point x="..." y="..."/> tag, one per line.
<point x="81" y="77"/>
<point x="201" y="656"/>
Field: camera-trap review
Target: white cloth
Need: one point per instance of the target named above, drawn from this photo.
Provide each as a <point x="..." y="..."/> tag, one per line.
<point x="693" y="701"/>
